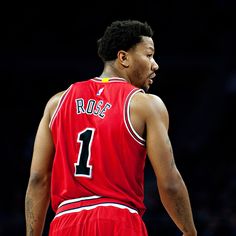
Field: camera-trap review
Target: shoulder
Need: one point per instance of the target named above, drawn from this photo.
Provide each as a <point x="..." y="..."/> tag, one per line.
<point x="150" y="102"/>
<point x="151" y="107"/>
<point x="53" y="103"/>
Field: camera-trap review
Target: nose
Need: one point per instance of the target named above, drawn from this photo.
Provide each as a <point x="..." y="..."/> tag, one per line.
<point x="155" y="66"/>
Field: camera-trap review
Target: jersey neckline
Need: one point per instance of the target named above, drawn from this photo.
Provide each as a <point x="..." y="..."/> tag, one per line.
<point x="108" y="79"/>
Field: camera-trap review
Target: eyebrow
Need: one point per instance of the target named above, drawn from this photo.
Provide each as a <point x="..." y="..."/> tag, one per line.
<point x="151" y="48"/>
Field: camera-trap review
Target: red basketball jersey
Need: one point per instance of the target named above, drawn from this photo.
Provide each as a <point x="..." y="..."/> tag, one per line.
<point x="97" y="151"/>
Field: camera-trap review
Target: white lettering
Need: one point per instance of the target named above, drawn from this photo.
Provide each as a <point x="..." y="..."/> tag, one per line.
<point x="92" y="107"/>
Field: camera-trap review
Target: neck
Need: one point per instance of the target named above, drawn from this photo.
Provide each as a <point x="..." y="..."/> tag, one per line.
<point x="110" y="70"/>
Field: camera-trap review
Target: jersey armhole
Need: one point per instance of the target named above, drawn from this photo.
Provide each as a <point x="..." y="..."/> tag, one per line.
<point x="59" y="105"/>
<point x="127" y="120"/>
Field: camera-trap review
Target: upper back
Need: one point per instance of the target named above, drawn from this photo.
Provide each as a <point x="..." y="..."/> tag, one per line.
<point x="99" y="100"/>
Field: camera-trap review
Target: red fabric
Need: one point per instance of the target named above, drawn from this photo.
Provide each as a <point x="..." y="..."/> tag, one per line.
<point x="90" y="125"/>
<point x="101" y="221"/>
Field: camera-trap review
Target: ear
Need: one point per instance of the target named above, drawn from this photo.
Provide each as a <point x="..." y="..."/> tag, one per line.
<point x="123" y="58"/>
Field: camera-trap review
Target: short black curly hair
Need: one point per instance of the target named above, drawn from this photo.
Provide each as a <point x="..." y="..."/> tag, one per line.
<point x="121" y="35"/>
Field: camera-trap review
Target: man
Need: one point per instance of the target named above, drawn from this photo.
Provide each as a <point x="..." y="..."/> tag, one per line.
<point x="90" y="148"/>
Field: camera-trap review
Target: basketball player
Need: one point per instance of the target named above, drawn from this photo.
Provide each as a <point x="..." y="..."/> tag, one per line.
<point x="91" y="144"/>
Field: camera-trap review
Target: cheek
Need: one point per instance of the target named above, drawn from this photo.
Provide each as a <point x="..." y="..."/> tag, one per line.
<point x="140" y="69"/>
<point x="144" y="66"/>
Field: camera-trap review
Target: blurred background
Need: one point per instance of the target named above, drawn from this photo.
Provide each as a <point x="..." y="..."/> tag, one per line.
<point x="44" y="48"/>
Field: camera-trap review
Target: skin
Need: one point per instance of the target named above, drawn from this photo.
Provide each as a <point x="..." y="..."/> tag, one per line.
<point x="149" y="118"/>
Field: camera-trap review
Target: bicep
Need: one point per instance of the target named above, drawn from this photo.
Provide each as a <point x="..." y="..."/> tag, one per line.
<point x="43" y="151"/>
<point x="159" y="148"/>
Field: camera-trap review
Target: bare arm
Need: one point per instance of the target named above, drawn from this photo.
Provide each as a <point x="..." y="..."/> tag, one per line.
<point x="172" y="189"/>
<point x="38" y="191"/>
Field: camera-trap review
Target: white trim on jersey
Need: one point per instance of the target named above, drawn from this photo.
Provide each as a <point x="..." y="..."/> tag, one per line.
<point x="129" y="125"/>
<point x="61" y="100"/>
<point x="95" y="206"/>
<point x="78" y="200"/>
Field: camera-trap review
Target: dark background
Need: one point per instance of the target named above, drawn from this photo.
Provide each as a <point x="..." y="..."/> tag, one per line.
<point x="44" y="48"/>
